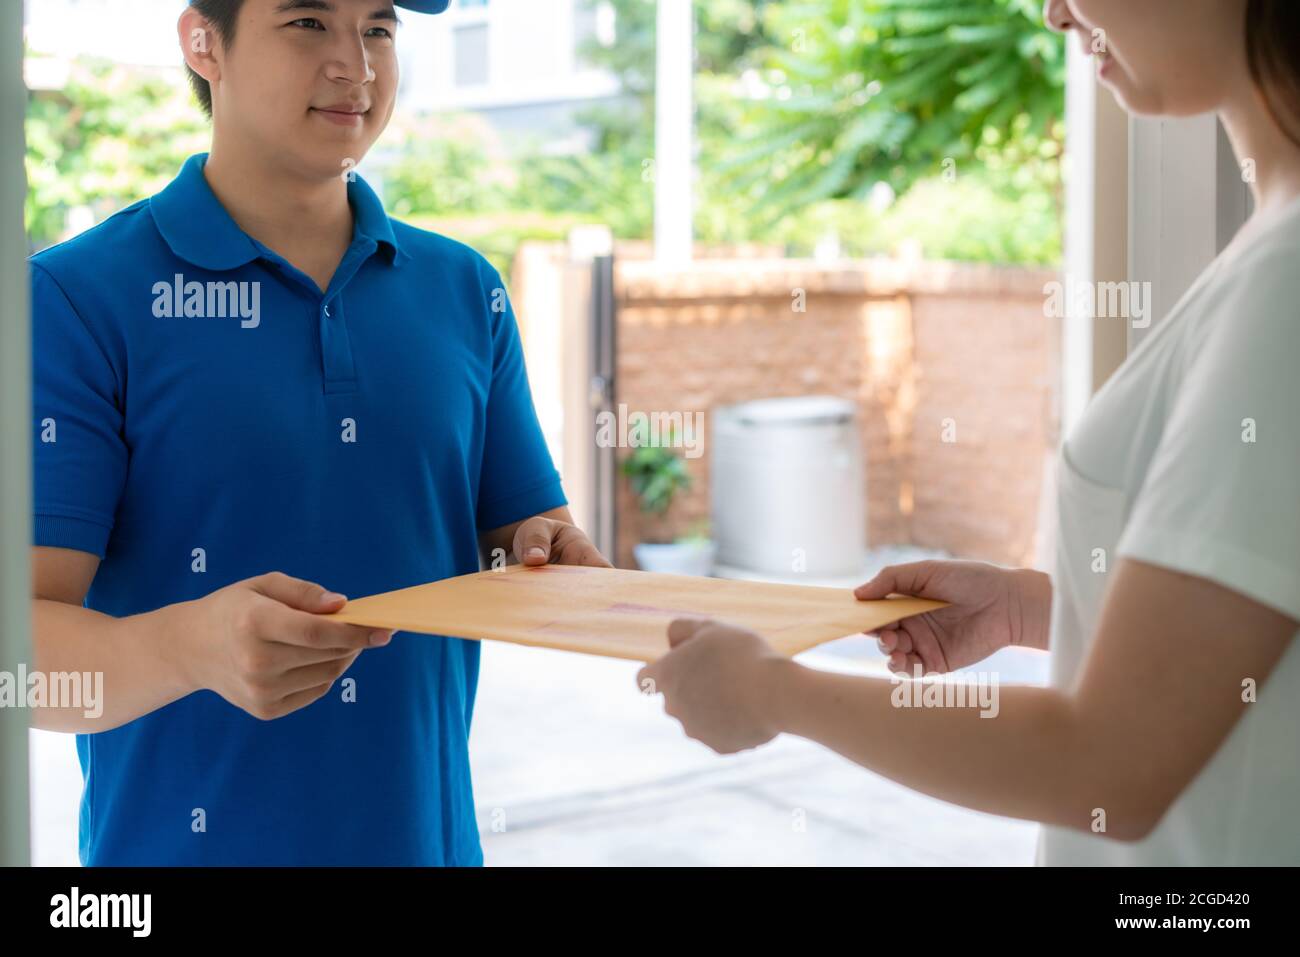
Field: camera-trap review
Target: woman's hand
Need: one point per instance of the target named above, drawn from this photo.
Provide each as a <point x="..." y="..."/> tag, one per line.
<point x="720" y="682"/>
<point x="989" y="608"/>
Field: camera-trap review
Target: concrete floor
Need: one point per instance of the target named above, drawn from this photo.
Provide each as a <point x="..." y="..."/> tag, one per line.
<point x="572" y="766"/>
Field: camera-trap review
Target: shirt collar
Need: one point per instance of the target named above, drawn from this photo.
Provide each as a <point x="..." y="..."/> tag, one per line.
<point x="199" y="230"/>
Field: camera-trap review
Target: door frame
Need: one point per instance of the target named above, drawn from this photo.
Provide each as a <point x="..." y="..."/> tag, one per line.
<point x="15" y="440"/>
<point x="1187" y="199"/>
<point x="1148" y="200"/>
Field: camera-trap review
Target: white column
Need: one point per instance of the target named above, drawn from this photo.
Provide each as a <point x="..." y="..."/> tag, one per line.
<point x="674" y="131"/>
<point x="15" y="439"/>
<point x="1096" y="230"/>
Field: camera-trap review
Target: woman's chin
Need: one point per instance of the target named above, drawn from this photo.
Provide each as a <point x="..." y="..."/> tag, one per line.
<point x="1146" y="101"/>
<point x="1134" y="100"/>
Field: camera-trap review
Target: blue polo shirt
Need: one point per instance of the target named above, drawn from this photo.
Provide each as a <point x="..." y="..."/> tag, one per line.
<point x="203" y="414"/>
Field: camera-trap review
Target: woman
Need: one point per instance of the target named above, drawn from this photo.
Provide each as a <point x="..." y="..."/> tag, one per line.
<point x="1169" y="732"/>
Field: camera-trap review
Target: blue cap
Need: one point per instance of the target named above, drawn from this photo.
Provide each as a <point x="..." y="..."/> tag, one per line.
<point x="424" y="6"/>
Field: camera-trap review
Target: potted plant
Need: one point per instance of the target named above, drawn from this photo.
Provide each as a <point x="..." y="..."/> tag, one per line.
<point x="657" y="474"/>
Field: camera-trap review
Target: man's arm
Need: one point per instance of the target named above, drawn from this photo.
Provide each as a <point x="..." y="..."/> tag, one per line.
<point x="551" y="537"/>
<point x="131" y="653"/>
<point x="263" y="644"/>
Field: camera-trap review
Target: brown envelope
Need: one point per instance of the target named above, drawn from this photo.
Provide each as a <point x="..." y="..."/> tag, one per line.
<point x="620" y="613"/>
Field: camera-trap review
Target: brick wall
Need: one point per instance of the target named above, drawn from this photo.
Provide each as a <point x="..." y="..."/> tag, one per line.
<point x="954" y="369"/>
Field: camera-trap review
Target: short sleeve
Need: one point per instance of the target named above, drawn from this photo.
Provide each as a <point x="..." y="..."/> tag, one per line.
<point x="1220" y="498"/>
<point x="517" y="478"/>
<point x="78" y="450"/>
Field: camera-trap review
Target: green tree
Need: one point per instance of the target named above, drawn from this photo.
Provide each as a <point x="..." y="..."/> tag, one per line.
<point x="859" y="92"/>
<point x="112" y="135"/>
<point x="443" y="165"/>
<point x="804" y="106"/>
<point x="726" y="31"/>
<point x="614" y="183"/>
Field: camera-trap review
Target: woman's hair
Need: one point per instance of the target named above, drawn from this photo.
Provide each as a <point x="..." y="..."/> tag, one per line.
<point x="1273" y="52"/>
<point x="222" y="14"/>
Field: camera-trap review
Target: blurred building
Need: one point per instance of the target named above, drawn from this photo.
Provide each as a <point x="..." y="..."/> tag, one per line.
<point x="135" y="32"/>
<point x="520" y="64"/>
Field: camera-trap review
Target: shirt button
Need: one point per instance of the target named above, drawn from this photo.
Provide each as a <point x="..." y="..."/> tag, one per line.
<point x="327" y="312"/>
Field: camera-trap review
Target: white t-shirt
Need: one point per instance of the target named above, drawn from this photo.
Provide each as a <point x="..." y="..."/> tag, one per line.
<point x="1189" y="458"/>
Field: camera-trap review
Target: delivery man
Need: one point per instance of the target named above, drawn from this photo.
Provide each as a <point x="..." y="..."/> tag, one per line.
<point x="254" y="393"/>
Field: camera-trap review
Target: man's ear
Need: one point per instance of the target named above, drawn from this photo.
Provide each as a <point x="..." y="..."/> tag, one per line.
<point x="198" y="41"/>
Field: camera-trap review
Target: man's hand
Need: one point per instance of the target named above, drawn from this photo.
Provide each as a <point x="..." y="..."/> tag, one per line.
<point x="540" y="541"/>
<point x="550" y="537"/>
<point x="267" y="646"/>
<point x="720" y="682"/>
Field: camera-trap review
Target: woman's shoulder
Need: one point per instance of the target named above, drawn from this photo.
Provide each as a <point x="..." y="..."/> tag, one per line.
<point x="1265" y="262"/>
<point x="1256" y="293"/>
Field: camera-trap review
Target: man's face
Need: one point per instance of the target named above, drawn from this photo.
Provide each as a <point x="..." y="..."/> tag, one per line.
<point x="309" y="82"/>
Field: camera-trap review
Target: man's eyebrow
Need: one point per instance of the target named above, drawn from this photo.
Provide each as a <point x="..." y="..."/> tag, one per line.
<point x="383" y="13"/>
<point x="288" y="5"/>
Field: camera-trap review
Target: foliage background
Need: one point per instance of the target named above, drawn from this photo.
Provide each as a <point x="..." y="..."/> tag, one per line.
<point x="866" y="123"/>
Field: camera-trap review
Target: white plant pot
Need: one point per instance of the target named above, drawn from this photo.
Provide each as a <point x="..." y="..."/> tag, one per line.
<point x="679" y="558"/>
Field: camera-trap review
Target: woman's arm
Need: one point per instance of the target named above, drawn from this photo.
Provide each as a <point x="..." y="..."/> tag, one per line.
<point x="1162" y="686"/>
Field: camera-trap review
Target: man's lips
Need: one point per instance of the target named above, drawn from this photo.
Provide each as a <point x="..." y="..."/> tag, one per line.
<point x="342" y="115"/>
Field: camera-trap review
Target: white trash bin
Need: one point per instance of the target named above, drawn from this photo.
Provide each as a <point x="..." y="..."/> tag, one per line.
<point x="788" y="496"/>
